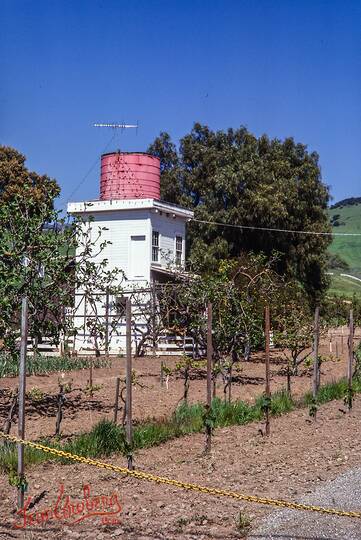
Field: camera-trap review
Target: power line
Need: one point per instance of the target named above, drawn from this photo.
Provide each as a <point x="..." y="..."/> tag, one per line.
<point x="270" y="229"/>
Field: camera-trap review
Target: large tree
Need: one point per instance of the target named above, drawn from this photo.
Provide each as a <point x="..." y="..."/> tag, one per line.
<point x="236" y="178"/>
<point x="17" y="182"/>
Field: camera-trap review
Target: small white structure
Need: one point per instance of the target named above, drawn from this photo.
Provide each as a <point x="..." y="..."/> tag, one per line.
<point x="147" y="235"/>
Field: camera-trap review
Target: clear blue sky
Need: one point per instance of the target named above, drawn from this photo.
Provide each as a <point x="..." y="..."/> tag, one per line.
<point x="285" y="68"/>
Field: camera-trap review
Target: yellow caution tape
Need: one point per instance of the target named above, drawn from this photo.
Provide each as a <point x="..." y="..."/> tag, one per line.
<point x="182" y="485"/>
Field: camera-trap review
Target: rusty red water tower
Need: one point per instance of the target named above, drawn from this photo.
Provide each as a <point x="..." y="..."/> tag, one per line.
<point x="128" y="175"/>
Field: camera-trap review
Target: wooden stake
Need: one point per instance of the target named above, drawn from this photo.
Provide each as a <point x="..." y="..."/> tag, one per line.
<point x="59" y="416"/>
<point x="22" y="391"/>
<point x="161" y="374"/>
<point x="129" y="424"/>
<point x="315" y="352"/>
<point x="106" y="339"/>
<point x="350" y="362"/>
<point x="90" y="359"/>
<point x="268" y="372"/>
<point x="209" y="373"/>
<point x="116" y="401"/>
<point x="230" y="384"/>
<point x="215" y="377"/>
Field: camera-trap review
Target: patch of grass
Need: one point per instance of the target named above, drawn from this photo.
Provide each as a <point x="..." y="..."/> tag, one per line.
<point x="348" y="247"/>
<point x="37" y="365"/>
<point x="104" y="439"/>
<point x="282" y="403"/>
<point x="9" y="456"/>
<point x="331" y="391"/>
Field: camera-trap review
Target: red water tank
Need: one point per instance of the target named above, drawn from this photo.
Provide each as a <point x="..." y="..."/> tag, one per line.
<point x="129" y="176"/>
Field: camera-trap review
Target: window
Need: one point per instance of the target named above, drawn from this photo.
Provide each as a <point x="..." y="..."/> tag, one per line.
<point x="178" y="249"/>
<point x="155" y="246"/>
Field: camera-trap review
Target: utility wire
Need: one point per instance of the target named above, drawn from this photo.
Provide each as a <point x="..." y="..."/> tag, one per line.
<point x="290" y="231"/>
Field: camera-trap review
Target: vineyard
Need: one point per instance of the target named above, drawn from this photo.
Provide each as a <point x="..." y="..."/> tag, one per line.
<point x="64" y="394"/>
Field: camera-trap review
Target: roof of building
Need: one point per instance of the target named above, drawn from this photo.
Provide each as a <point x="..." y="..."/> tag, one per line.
<point x="91" y="207"/>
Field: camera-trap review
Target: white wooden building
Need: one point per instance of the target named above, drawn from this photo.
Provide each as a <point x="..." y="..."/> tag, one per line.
<point x="147" y="237"/>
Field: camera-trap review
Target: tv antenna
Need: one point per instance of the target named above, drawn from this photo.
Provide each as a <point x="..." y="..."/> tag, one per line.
<point x="116" y="126"/>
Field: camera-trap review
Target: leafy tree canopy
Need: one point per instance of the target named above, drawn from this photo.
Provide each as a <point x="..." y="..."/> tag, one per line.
<point x="236" y="178"/>
<point x="37" y="256"/>
<point x="16" y="181"/>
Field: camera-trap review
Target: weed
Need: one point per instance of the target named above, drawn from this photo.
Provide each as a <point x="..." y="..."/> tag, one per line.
<point x="199" y="519"/>
<point x="181" y="522"/>
<point x="91" y="388"/>
<point x="244" y="523"/>
<point x="35" y="394"/>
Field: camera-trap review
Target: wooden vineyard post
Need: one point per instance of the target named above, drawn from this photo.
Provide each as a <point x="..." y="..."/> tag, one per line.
<point x="209" y="377"/>
<point x="350" y="363"/>
<point x="230" y="384"/>
<point x="106" y="338"/>
<point x="22" y="391"/>
<point x="214" y="391"/>
<point x="90" y="359"/>
<point x="268" y="377"/>
<point x="116" y="401"/>
<point x="59" y="416"/>
<point x="154" y="340"/>
<point x="161" y="373"/>
<point x="316" y="368"/>
<point x="128" y="405"/>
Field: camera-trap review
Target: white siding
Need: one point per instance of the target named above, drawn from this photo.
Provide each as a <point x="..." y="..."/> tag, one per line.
<point x="122" y="225"/>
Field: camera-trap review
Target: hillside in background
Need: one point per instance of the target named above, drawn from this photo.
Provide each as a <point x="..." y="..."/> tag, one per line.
<point x="345" y="216"/>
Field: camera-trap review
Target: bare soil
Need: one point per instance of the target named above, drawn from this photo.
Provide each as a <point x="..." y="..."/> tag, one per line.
<point x="299" y="455"/>
<point x="82" y="411"/>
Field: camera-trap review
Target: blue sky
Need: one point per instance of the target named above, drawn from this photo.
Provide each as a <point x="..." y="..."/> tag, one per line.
<point x="285" y="68"/>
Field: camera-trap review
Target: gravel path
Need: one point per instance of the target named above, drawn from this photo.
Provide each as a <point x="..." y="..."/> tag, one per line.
<point x="343" y="493"/>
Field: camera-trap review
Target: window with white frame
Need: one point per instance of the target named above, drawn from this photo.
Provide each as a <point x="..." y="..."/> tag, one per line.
<point x="178" y="249"/>
<point x="155" y="246"/>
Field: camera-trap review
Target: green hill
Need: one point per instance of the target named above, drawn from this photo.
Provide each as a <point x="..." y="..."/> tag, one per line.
<point x="345" y="216"/>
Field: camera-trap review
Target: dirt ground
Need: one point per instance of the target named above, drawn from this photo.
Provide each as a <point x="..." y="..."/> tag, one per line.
<point x="299" y="456"/>
<point x="150" y="400"/>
